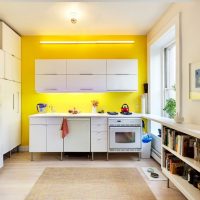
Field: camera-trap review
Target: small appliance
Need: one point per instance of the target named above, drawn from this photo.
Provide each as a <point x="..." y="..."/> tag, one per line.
<point x="41" y="107"/>
<point x="125" y="108"/>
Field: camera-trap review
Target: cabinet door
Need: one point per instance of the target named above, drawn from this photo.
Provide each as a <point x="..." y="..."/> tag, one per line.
<point x="7" y="110"/>
<point x="11" y="41"/>
<point x="86" y="66"/>
<point x="37" y="138"/>
<point x="2" y="67"/>
<point x="54" y="138"/>
<point x="122" y="83"/>
<point x="78" y="139"/>
<point x="50" y="83"/>
<point x="122" y="66"/>
<point x="15" y="139"/>
<point x="12" y="68"/>
<point x="99" y="135"/>
<point x="1" y="117"/>
<point x="51" y="66"/>
<point x="86" y="83"/>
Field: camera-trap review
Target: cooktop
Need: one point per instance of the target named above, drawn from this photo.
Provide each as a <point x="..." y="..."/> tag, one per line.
<point x="123" y="113"/>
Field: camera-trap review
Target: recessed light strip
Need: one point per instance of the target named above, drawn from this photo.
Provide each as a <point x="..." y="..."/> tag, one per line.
<point x="90" y="42"/>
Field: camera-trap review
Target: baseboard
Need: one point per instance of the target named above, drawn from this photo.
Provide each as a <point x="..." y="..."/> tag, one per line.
<point x="23" y="148"/>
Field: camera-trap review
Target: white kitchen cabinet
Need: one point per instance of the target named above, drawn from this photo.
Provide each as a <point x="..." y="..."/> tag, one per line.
<point x="10" y="41"/>
<point x="37" y="138"/>
<point x="2" y="67"/>
<point x="54" y="136"/>
<point x="86" y="66"/>
<point x="78" y="139"/>
<point x="50" y="83"/>
<point x="86" y="83"/>
<point x="12" y="68"/>
<point x="122" y="66"/>
<point x="122" y="82"/>
<point x="99" y="135"/>
<point x="51" y="66"/>
<point x="10" y="106"/>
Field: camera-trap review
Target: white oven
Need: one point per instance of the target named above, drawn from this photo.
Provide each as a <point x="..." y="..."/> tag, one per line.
<point x="125" y="134"/>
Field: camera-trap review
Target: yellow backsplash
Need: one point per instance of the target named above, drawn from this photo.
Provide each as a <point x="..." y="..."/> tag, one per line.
<point x="32" y="49"/>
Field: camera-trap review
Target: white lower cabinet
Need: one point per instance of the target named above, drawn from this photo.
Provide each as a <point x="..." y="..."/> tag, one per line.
<point x="54" y="138"/>
<point x="99" y="135"/>
<point x="38" y="138"/>
<point x="78" y="139"/>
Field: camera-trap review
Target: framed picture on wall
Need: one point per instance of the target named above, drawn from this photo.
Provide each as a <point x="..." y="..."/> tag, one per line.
<point x="194" y="81"/>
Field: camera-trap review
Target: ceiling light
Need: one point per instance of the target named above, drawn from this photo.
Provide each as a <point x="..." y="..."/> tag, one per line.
<point x="90" y="42"/>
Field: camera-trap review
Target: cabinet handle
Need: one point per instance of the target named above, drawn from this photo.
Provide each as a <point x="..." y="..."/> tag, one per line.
<point x="50" y="89"/>
<point x="86" y="74"/>
<point x="13" y="101"/>
<point x="17" y="102"/>
<point x="85" y="89"/>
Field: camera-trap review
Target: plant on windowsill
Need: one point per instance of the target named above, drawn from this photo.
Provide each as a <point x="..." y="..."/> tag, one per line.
<point x="170" y="107"/>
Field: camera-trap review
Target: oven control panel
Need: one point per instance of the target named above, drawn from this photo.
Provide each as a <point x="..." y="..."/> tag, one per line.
<point x="125" y="122"/>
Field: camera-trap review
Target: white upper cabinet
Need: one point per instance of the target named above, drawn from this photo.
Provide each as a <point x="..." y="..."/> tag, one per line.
<point x="86" y="83"/>
<point x="50" y="83"/>
<point x="122" y="66"/>
<point x="10" y="41"/>
<point x="86" y="66"/>
<point x="122" y="83"/>
<point x="51" y="66"/>
<point x="2" y="67"/>
<point x="86" y="75"/>
<point x="12" y="68"/>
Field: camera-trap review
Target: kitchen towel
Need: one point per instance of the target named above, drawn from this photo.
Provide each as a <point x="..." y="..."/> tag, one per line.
<point x="64" y="128"/>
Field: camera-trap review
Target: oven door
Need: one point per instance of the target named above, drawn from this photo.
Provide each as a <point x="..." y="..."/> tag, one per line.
<point x="125" y="137"/>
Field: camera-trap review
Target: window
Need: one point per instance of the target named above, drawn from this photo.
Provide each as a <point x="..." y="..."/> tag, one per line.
<point x="169" y="76"/>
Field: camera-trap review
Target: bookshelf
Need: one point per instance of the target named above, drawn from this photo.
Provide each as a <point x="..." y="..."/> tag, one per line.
<point x="189" y="191"/>
<point x="178" y="158"/>
<point x="190" y="161"/>
<point x="172" y="155"/>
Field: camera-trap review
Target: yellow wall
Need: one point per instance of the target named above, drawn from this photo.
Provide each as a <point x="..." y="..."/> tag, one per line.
<point x="32" y="49"/>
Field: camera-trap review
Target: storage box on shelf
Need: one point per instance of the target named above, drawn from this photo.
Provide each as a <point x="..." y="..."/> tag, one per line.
<point x="180" y="161"/>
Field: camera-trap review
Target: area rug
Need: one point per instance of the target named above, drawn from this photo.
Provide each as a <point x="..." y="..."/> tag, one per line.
<point x="90" y="184"/>
<point x="148" y="174"/>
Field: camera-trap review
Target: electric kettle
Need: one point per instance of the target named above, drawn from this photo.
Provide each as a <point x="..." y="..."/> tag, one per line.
<point x="41" y="107"/>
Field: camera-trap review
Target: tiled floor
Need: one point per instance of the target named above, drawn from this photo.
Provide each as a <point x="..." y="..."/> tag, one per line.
<point x="19" y="173"/>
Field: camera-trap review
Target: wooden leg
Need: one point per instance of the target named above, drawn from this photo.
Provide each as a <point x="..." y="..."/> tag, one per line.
<point x="61" y="156"/>
<point x="31" y="156"/>
<point x="92" y="156"/>
<point x="167" y="183"/>
<point x="10" y="154"/>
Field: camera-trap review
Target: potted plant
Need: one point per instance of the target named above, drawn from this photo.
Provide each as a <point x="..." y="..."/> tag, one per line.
<point x="170" y="107"/>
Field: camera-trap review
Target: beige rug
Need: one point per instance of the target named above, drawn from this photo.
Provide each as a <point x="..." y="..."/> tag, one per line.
<point x="90" y="184"/>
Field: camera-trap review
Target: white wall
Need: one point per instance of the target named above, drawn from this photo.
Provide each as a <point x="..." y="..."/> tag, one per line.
<point x="190" y="31"/>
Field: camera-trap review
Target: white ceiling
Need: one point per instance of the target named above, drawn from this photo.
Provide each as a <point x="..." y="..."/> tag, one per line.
<point x="94" y="18"/>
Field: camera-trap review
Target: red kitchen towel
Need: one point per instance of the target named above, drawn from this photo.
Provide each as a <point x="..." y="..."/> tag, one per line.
<point x="64" y="127"/>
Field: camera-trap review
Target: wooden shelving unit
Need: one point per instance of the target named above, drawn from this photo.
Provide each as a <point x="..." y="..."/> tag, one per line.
<point x="186" y="188"/>
<point x="183" y="185"/>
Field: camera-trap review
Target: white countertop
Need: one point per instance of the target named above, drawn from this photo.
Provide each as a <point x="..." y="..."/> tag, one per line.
<point x="190" y="129"/>
<point x="84" y="115"/>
